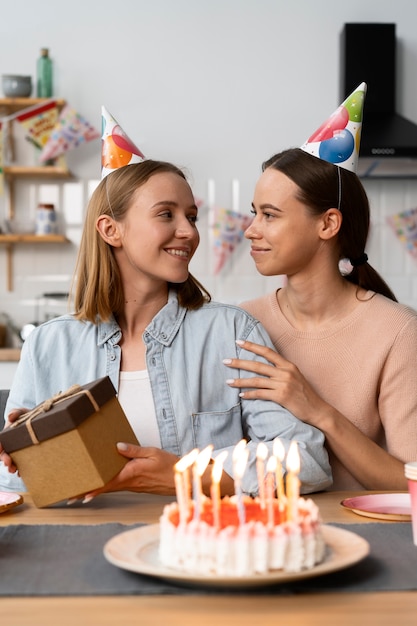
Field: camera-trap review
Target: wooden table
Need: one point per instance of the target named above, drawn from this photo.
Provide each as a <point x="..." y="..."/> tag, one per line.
<point x="332" y="609"/>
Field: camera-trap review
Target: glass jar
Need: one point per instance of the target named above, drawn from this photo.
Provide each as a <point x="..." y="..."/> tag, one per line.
<point x="46" y="221"/>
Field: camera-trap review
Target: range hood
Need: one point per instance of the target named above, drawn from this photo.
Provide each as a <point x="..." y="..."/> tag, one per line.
<point x="389" y="140"/>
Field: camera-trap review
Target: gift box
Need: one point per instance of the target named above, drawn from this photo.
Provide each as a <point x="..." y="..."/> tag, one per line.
<point x="66" y="446"/>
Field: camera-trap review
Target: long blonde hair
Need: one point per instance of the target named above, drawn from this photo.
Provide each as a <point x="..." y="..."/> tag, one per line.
<point x="97" y="286"/>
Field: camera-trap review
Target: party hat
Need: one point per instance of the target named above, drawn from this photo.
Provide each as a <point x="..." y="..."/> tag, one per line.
<point x="117" y="150"/>
<point x="338" y="138"/>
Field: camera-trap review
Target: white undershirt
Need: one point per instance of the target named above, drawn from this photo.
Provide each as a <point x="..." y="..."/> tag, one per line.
<point x="135" y="397"/>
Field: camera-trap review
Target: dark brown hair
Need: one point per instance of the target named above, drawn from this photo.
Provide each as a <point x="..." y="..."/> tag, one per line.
<point x="318" y="182"/>
<point x="98" y="287"/>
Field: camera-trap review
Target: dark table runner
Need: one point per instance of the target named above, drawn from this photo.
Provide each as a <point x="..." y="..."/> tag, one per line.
<point x="48" y="560"/>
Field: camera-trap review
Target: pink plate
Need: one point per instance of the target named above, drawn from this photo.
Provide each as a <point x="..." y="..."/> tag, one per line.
<point x="389" y="506"/>
<point x="9" y="500"/>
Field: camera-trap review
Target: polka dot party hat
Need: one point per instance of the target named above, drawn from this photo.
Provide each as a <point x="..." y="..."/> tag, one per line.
<point x="117" y="149"/>
<point x="338" y="139"/>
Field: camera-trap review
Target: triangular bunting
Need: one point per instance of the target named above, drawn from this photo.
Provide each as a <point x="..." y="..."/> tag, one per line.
<point x="227" y="232"/>
<point x="404" y="225"/>
<point x="39" y="121"/>
<point x="70" y="131"/>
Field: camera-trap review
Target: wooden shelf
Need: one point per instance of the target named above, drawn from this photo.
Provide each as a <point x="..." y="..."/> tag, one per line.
<point x="12" y="239"/>
<point x="32" y="238"/>
<point x="40" y="171"/>
<point x="12" y="105"/>
<point x="15" y="173"/>
<point x="9" y="354"/>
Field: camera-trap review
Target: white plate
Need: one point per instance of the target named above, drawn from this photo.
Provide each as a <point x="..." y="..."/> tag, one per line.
<point x="136" y="550"/>
<point x="8" y="500"/>
<point x="394" y="507"/>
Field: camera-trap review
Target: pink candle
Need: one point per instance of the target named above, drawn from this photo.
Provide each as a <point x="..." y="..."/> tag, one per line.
<point x="216" y="474"/>
<point x="180" y="494"/>
<point x="261" y="454"/>
<point x="189" y="460"/>
<point x="182" y="482"/>
<point x="240" y="458"/>
<point x="199" y="467"/>
<point x="270" y="488"/>
<point x="279" y="453"/>
<point x="293" y="483"/>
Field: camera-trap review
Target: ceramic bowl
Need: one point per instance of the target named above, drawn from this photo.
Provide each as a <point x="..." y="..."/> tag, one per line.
<point x="20" y="227"/>
<point x="15" y="86"/>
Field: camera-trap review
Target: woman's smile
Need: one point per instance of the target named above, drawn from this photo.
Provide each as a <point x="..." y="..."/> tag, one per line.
<point x="180" y="253"/>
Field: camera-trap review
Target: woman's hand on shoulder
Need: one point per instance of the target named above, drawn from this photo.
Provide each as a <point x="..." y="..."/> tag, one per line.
<point x="278" y="380"/>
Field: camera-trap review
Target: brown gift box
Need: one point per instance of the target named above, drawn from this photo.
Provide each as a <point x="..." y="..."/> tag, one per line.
<point x="66" y="446"/>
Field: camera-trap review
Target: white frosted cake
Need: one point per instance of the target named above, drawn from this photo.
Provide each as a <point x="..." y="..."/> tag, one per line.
<point x="265" y="540"/>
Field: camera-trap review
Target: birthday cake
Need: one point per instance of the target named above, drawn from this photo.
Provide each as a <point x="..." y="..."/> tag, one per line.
<point x="240" y="535"/>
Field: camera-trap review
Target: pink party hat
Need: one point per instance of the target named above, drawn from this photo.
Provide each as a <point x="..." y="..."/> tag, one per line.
<point x="117" y="150"/>
<point x="338" y="138"/>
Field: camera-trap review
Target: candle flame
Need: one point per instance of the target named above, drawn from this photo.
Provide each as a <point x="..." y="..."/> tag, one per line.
<point x="279" y="450"/>
<point x="186" y="461"/>
<point x="293" y="458"/>
<point x="216" y="472"/>
<point x="238" y="449"/>
<point x="240" y="463"/>
<point x="262" y="451"/>
<point x="240" y="458"/>
<point x="203" y="460"/>
<point x="271" y="466"/>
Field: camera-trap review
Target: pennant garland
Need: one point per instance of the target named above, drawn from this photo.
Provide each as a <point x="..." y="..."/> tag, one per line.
<point x="52" y="132"/>
<point x="39" y="121"/>
<point x="404" y="225"/>
<point x="70" y="131"/>
<point x="227" y="231"/>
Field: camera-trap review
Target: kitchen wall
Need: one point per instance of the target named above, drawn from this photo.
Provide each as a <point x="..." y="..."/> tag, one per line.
<point x="216" y="86"/>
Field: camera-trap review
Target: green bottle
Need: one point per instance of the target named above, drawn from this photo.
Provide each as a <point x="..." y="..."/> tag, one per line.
<point x="44" y="75"/>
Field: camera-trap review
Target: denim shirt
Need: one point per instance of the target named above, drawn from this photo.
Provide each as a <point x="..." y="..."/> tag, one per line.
<point x="194" y="405"/>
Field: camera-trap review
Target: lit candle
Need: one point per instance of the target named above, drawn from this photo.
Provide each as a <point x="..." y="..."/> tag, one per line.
<point x="279" y="453"/>
<point x="199" y="467"/>
<point x="216" y="474"/>
<point x="293" y="483"/>
<point x="240" y="458"/>
<point x="261" y="454"/>
<point x="270" y="487"/>
<point x="180" y="493"/>
<point x="182" y="483"/>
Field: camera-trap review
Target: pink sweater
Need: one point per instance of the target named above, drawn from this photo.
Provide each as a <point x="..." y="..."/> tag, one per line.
<point x="365" y="366"/>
